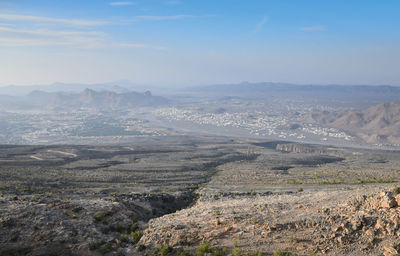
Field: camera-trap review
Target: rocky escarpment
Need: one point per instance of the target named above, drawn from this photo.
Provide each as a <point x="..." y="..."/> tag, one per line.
<point x="321" y="223"/>
<point x="372" y="221"/>
<point x="299" y="148"/>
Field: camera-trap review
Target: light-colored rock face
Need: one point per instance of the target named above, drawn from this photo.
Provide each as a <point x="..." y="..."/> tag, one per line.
<point x="359" y="222"/>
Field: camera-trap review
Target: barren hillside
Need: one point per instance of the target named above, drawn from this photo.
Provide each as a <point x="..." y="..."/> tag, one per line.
<point x="379" y="123"/>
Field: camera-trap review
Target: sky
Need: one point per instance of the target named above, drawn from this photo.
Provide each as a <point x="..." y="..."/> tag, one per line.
<point x="198" y="42"/>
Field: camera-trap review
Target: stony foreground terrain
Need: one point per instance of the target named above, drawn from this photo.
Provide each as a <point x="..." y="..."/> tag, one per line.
<point x="199" y="196"/>
<point x="359" y="222"/>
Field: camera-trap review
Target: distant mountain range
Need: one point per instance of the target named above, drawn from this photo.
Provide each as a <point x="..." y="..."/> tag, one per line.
<point x="359" y="96"/>
<point x="118" y="86"/>
<point x="88" y="98"/>
<point x="341" y="95"/>
<point x="376" y="124"/>
<point x="268" y="87"/>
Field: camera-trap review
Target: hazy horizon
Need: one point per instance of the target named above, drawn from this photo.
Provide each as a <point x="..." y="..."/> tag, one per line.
<point x="186" y="43"/>
<point x="183" y="86"/>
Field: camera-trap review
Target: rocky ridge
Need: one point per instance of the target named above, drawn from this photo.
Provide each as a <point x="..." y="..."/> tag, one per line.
<point x="366" y="223"/>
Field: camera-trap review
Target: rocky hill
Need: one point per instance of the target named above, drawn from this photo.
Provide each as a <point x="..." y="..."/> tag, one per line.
<point x="377" y="124"/>
<point x="94" y="99"/>
<point x="111" y="99"/>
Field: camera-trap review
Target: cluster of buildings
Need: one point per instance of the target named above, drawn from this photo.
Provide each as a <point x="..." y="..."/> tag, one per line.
<point x="62" y="127"/>
<point x="258" y="123"/>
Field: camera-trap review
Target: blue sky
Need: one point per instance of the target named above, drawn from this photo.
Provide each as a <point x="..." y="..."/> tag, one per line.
<point x="182" y="42"/>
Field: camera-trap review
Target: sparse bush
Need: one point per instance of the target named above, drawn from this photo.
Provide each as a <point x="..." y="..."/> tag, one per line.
<point x="203" y="249"/>
<point x="281" y="253"/>
<point x="106" y="248"/>
<point x="94" y="245"/>
<point x="119" y="228"/>
<point x="57" y="249"/>
<point x="183" y="253"/>
<point x="295" y="182"/>
<point x="105" y="229"/>
<point x="237" y="252"/>
<point x="124" y="238"/>
<point x="15" y="250"/>
<point x="165" y="250"/>
<point x="77" y="209"/>
<point x="132" y="227"/>
<point x="140" y="247"/>
<point x="26" y="190"/>
<point x="135" y="236"/>
<point x="219" y="252"/>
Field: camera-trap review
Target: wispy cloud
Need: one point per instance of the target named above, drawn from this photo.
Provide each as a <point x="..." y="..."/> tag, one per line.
<point x="40" y="37"/>
<point x="260" y="24"/>
<point x="29" y="30"/>
<point x="159" y="18"/>
<point x="68" y="22"/>
<point x="77" y="39"/>
<point x="120" y="3"/>
<point x="43" y="32"/>
<point x="313" y="28"/>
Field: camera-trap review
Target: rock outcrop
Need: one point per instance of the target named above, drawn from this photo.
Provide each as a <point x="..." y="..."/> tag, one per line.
<point x="299" y="148"/>
<point x="319" y="223"/>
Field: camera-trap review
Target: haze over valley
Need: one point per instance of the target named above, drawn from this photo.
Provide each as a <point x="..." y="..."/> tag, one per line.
<point x="337" y="115"/>
<point x="199" y="128"/>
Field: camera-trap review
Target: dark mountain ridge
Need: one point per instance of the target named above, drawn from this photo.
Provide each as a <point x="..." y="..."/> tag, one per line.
<point x="346" y="95"/>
